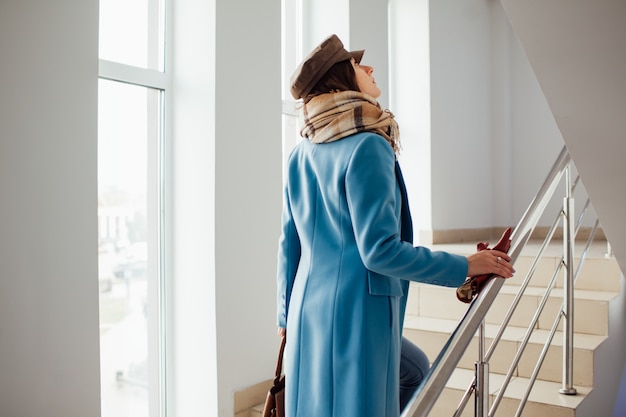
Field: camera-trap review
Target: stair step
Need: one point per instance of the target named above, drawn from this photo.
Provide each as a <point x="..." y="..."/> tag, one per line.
<point x="597" y="273"/>
<point x="544" y="399"/>
<point x="590" y="315"/>
<point x="431" y="334"/>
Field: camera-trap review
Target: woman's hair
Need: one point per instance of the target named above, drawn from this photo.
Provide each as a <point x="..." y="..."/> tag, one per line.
<point x="340" y="77"/>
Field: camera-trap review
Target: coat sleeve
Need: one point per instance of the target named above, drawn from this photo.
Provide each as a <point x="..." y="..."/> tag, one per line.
<point x="288" y="259"/>
<point x="371" y="190"/>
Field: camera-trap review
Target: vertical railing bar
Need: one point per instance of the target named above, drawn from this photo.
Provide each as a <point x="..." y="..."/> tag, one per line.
<point x="481" y="401"/>
<point x="568" y="288"/>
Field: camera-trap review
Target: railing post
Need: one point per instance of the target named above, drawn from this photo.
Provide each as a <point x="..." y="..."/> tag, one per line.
<point x="568" y="288"/>
<point x="481" y="391"/>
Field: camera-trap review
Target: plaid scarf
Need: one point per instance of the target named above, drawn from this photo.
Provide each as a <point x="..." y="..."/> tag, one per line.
<point x="333" y="116"/>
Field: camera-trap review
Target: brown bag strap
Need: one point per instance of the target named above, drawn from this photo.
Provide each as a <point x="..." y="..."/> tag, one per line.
<point x="279" y="362"/>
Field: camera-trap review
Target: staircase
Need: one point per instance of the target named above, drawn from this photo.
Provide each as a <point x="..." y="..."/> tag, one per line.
<point x="433" y="313"/>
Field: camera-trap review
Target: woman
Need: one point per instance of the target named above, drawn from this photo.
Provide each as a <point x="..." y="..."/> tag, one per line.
<point x="345" y="254"/>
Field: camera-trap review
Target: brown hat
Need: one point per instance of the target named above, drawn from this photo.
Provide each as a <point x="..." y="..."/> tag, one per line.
<point x="317" y="63"/>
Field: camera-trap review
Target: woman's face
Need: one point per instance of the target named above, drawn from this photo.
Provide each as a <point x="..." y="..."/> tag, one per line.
<point x="364" y="79"/>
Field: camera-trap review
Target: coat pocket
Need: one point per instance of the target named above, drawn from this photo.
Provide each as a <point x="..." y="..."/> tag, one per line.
<point x="383" y="285"/>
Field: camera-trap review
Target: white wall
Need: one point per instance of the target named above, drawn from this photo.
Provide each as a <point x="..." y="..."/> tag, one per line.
<point x="322" y="18"/>
<point x="193" y="379"/>
<point x="461" y="114"/>
<point x="524" y="130"/>
<point x="369" y="30"/>
<point x="410" y="102"/>
<point x="227" y="200"/>
<point x="248" y="190"/>
<point x="49" y="337"/>
<point x="477" y="133"/>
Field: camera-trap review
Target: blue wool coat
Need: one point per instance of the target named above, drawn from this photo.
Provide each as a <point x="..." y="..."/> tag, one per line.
<point x="343" y="278"/>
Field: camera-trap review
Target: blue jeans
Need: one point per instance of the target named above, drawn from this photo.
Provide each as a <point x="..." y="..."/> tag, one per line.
<point x="414" y="365"/>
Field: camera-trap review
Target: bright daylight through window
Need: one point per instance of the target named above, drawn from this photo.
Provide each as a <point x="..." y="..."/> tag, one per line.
<point x="130" y="112"/>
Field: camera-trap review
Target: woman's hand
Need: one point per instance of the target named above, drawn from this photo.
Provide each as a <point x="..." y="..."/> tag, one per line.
<point x="489" y="262"/>
<point x="282" y="332"/>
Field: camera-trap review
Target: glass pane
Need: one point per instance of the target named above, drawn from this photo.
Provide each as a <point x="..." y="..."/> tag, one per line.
<point x="128" y="137"/>
<point x="132" y="32"/>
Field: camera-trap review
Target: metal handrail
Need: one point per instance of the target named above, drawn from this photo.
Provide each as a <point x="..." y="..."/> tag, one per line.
<point x="425" y="397"/>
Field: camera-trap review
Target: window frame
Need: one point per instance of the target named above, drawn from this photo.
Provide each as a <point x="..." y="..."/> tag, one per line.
<point x="158" y="195"/>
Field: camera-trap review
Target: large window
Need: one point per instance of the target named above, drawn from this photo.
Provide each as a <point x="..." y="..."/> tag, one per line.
<point x="131" y="112"/>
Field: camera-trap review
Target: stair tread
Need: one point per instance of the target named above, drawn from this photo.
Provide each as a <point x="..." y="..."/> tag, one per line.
<point x="544" y="392"/>
<point x="512" y="333"/>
